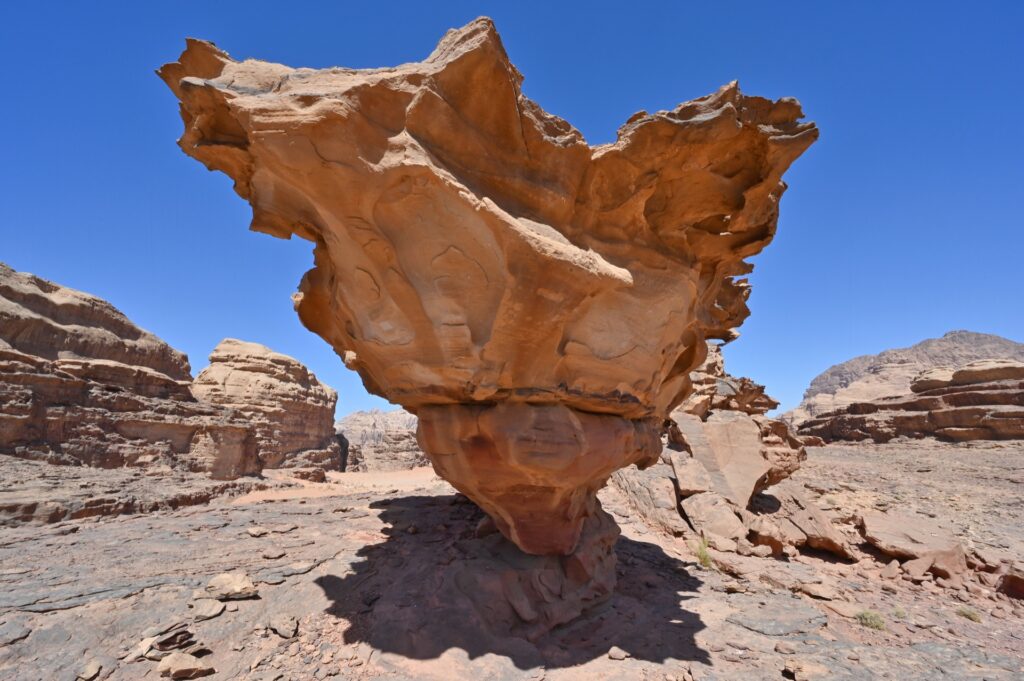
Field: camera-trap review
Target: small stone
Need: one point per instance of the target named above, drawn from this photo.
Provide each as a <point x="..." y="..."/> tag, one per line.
<point x="892" y="570"/>
<point x="617" y="653"/>
<point x="183" y="666"/>
<point x="232" y="607"/>
<point x="257" y="531"/>
<point x="785" y="647"/>
<point x="231" y="586"/>
<point x="90" y="671"/>
<point x="206" y="609"/>
<point x="273" y="553"/>
<point x="284" y="626"/>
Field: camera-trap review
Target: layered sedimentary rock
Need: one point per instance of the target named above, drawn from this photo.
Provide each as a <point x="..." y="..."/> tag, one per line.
<point x="81" y="385"/>
<point x="720" y="453"/>
<point x="536" y="301"/>
<point x="870" y="377"/>
<point x="292" y="413"/>
<point x="378" y="440"/>
<point x="983" y="400"/>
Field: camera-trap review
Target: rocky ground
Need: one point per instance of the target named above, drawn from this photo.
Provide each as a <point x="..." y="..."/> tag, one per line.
<point x="344" y="572"/>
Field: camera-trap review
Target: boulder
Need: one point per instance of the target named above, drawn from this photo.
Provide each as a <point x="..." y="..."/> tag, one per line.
<point x="183" y="666"/>
<point x="537" y="302"/>
<point x="788" y="518"/>
<point x="231" y="586"/>
<point x="710" y="513"/>
<point x="291" y="411"/>
<point x="923" y="543"/>
<point x="81" y="385"/>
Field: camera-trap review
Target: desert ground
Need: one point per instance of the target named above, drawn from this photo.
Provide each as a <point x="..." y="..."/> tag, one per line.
<point x="346" y="574"/>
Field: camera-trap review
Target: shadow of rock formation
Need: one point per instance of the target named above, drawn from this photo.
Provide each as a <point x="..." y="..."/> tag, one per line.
<point x="433" y="588"/>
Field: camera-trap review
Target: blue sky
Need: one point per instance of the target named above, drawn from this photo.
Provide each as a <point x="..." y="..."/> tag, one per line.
<point x="904" y="221"/>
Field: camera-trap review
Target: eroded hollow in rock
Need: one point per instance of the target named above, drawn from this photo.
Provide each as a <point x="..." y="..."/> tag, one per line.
<point x="537" y="301"/>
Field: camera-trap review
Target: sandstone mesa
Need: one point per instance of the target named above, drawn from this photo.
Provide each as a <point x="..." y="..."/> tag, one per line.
<point x="80" y="384"/>
<point x="539" y="303"/>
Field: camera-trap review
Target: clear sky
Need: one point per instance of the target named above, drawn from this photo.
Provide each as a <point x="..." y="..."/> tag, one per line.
<point x="904" y="221"/>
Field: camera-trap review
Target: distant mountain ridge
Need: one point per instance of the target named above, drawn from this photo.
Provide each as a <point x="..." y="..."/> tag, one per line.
<point x="869" y="377"/>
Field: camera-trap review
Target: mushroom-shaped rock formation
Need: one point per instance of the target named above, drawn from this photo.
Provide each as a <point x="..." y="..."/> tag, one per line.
<point x="538" y="302"/>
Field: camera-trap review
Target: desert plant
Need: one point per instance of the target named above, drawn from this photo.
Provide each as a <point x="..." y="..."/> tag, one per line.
<point x="871" y="620"/>
<point x="968" y="614"/>
<point x="700" y="549"/>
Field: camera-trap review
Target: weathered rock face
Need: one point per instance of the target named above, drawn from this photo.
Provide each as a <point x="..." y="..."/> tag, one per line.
<point x="983" y="400"/>
<point x="380" y="441"/>
<point x="720" y="453"/>
<point x="870" y="377"/>
<point x="476" y="258"/>
<point x="714" y="389"/>
<point x="80" y="384"/>
<point x="291" y="411"/>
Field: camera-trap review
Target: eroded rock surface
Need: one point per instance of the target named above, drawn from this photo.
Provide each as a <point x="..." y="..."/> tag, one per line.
<point x="720" y="453"/>
<point x="81" y="385"/>
<point x="380" y="441"/>
<point x="484" y="259"/>
<point x="291" y="411"/>
<point x="366" y="596"/>
<point x="983" y="400"/>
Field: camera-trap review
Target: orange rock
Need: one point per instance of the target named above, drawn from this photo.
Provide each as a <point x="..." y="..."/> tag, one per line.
<point x="291" y="411"/>
<point x="472" y="249"/>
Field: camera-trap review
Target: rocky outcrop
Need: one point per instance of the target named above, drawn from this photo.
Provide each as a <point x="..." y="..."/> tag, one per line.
<point x="537" y="302"/>
<point x="380" y="441"/>
<point x="982" y="400"/>
<point x="81" y="385"/>
<point x="292" y="413"/>
<point x="720" y="452"/>
<point x="870" y="377"/>
<point x="714" y="389"/>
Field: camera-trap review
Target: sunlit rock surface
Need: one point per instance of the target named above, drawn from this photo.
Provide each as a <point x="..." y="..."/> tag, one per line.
<point x="80" y="384"/>
<point x="480" y="264"/>
<point x="292" y="412"/>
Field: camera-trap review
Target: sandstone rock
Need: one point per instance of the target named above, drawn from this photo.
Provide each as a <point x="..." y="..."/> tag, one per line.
<point x="714" y="389"/>
<point x="617" y="653"/>
<point x="206" y="609"/>
<point x="231" y="586"/>
<point x="980" y="401"/>
<point x="1011" y="582"/>
<point x="924" y="544"/>
<point x="987" y="371"/>
<point x="89" y="671"/>
<point x="381" y="441"/>
<point x="284" y="626"/>
<point x="690" y="474"/>
<point x="522" y="463"/>
<point x="652" y="493"/>
<point x="728" y="446"/>
<point x="791" y="520"/>
<point x="310" y="474"/>
<point x="292" y="412"/>
<point x="81" y="385"/>
<point x="496" y="305"/>
<point x="183" y="666"/>
<point x="709" y="513"/>
<point x="871" y="377"/>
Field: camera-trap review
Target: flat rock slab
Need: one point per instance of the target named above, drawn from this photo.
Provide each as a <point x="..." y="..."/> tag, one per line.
<point x="781" y="617"/>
